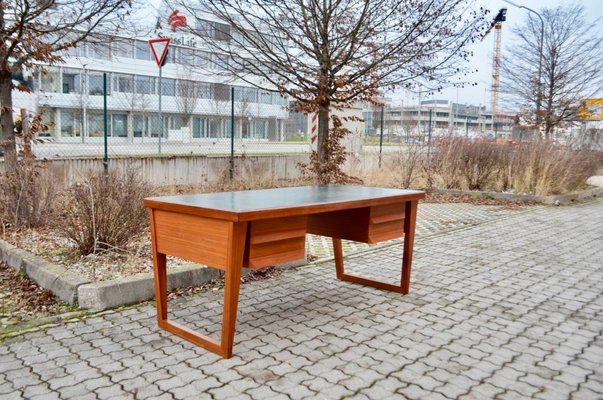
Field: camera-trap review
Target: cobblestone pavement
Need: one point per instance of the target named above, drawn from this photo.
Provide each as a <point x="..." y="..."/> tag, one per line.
<point x="507" y="309"/>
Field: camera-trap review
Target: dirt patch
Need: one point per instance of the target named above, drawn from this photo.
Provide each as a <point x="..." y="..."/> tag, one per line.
<point x="22" y="299"/>
<point x="477" y="200"/>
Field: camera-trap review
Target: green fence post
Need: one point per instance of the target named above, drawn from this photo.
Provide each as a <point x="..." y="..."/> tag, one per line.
<point x="106" y="132"/>
<point x="381" y="137"/>
<point x="429" y="135"/>
<point x="232" y="128"/>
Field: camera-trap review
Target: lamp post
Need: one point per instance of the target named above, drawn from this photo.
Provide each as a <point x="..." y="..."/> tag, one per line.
<point x="539" y="94"/>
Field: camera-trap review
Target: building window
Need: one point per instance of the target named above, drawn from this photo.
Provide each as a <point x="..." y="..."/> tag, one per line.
<point x="221" y="92"/>
<point x="199" y="127"/>
<point x="71" y="124"/>
<point x="47" y="123"/>
<point x="119" y="125"/>
<point x="50" y="81"/>
<point x="202" y="59"/>
<point x="186" y="56"/>
<point x="168" y="87"/>
<point x="221" y="31"/>
<point x="145" y="85"/>
<point x="216" y="128"/>
<point x="219" y="62"/>
<point x="138" y="125"/>
<point x="154" y="126"/>
<point x="170" y="56"/>
<point x="96" y="125"/>
<point x="123" y="83"/>
<point x="95" y="84"/>
<point x="100" y="50"/>
<point x="176" y="122"/>
<point x="204" y="90"/>
<point x="143" y="50"/>
<point x="248" y="95"/>
<point x="72" y="80"/>
<point x="204" y="28"/>
<point x="123" y="48"/>
<point x="265" y="97"/>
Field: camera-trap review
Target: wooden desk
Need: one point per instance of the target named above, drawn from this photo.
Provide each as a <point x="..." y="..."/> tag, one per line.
<point x="259" y="228"/>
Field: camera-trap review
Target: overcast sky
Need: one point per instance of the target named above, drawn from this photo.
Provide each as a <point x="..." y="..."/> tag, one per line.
<point x="483" y="50"/>
<point x="482" y="59"/>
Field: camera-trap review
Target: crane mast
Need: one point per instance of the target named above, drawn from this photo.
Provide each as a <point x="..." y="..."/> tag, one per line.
<point x="496" y="68"/>
<point x="496" y="24"/>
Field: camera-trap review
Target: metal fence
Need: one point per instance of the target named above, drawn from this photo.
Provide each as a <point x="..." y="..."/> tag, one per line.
<point x="117" y="115"/>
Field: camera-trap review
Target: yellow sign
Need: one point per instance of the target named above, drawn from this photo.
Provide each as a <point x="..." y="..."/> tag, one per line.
<point x="593" y="110"/>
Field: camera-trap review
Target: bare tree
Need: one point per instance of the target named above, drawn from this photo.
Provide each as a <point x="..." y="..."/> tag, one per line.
<point x="572" y="66"/>
<point x="34" y="32"/>
<point x="327" y="55"/>
<point x="188" y="92"/>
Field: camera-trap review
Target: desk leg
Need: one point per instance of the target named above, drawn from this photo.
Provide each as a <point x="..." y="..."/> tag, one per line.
<point x="409" y="237"/>
<point x="409" y="241"/>
<point x="232" y="284"/>
<point x="236" y="247"/>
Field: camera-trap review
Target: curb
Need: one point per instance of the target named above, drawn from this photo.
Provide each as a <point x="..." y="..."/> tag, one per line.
<point x="74" y="289"/>
<point x="553" y="199"/>
<point x="62" y="282"/>
<point x="99" y="296"/>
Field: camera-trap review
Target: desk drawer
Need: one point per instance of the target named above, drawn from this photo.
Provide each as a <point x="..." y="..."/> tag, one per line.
<point x="197" y="239"/>
<point x="275" y="241"/>
<point x="368" y="224"/>
<point x="386" y="222"/>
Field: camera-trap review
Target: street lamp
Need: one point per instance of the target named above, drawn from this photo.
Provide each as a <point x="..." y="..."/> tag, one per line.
<point x="539" y="94"/>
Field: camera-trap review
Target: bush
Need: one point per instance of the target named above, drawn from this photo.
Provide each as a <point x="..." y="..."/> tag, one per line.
<point x="539" y="168"/>
<point x="442" y="169"/>
<point x="105" y="212"/>
<point x="542" y="168"/>
<point x="406" y="165"/>
<point x="478" y="163"/>
<point x="27" y="194"/>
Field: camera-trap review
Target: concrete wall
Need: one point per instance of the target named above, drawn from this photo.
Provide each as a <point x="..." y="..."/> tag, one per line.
<point x="167" y="171"/>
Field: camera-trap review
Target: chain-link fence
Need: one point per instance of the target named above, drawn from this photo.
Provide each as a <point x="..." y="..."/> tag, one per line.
<point x="97" y="114"/>
<point x="429" y="121"/>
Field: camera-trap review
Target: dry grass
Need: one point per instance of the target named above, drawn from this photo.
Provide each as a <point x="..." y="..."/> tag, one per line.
<point x="537" y="168"/>
<point x="542" y="168"/>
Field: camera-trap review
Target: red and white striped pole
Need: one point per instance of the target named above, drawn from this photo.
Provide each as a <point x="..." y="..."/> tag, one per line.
<point x="313" y="128"/>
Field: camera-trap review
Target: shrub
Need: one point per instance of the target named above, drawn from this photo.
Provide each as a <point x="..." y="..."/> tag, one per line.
<point x="405" y="165"/>
<point x="443" y="167"/>
<point x="105" y="212"/>
<point x="543" y="168"/>
<point x="27" y="194"/>
<point x="539" y="168"/>
<point x="479" y="161"/>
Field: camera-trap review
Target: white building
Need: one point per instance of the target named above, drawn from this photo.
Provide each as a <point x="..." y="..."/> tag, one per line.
<point x="196" y="93"/>
<point x="440" y="118"/>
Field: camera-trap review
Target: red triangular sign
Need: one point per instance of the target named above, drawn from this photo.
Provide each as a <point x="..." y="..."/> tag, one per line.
<point x="159" y="48"/>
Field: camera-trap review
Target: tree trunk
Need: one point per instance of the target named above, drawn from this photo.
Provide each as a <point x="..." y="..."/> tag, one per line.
<point x="323" y="134"/>
<point x="7" y="124"/>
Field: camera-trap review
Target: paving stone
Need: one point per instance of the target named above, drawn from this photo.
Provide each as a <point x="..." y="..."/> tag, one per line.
<point x="486" y="318"/>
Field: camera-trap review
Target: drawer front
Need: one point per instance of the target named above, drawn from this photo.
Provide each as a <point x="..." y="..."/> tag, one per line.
<point x="197" y="239"/>
<point x="386" y="222"/>
<point x="276" y="241"/>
